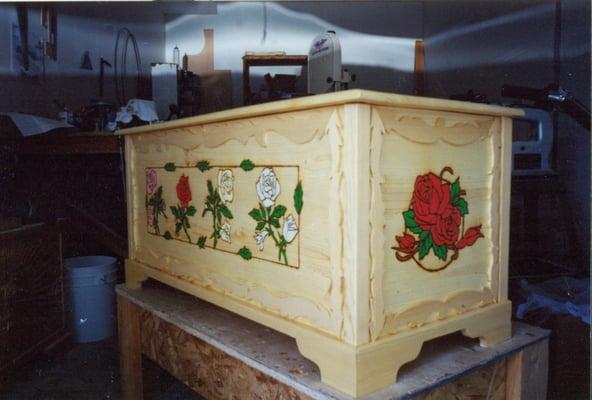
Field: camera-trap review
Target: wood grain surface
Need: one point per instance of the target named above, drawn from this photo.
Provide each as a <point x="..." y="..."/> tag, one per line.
<point x="335" y="284"/>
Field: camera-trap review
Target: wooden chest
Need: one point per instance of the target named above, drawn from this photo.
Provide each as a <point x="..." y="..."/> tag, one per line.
<point x="360" y="223"/>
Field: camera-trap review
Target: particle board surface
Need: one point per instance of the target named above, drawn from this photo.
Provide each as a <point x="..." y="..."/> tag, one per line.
<point x="178" y="329"/>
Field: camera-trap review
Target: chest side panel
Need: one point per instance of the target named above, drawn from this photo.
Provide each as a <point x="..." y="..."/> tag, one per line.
<point x="439" y="191"/>
<point x="244" y="208"/>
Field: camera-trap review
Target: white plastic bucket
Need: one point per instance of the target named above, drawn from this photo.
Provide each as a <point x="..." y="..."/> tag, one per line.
<point x="91" y="282"/>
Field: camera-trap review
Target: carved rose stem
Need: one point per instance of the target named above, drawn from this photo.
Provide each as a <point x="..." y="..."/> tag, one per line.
<point x="280" y="245"/>
<point x="420" y="265"/>
<point x="183" y="220"/>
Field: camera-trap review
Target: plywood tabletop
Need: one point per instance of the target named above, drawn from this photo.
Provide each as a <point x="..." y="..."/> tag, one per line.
<point x="277" y="356"/>
<point x="330" y="99"/>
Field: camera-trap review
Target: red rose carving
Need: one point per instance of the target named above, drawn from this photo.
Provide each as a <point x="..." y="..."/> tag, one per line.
<point x="433" y="222"/>
<point x="470" y="237"/>
<point x="407" y="243"/>
<point x="184" y="191"/>
<point x="430" y="197"/>
<point x="445" y="230"/>
<point x="433" y="211"/>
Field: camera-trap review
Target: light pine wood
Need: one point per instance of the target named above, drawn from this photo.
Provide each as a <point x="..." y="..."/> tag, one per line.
<point x="129" y="195"/>
<point x="337" y="287"/>
<point x="130" y="349"/>
<point x="505" y="192"/>
<point x="426" y="142"/>
<point x="331" y="99"/>
<point x="356" y="150"/>
<point x="526" y="374"/>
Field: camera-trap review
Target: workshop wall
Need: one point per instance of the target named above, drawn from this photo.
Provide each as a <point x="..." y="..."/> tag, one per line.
<point x="377" y="38"/>
<point x="80" y="28"/>
<point x="469" y="45"/>
<point x="481" y="46"/>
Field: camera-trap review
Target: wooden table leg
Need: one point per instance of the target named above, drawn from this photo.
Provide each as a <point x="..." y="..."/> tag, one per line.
<point x="526" y="373"/>
<point x="130" y="349"/>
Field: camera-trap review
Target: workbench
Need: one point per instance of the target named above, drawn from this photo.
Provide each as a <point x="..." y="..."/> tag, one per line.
<point x="221" y="355"/>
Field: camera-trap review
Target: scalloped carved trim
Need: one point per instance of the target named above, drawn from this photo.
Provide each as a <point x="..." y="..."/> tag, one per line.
<point x="424" y="312"/>
<point x="336" y="216"/>
<point x="376" y="300"/>
<point x="455" y="129"/>
<point x="207" y="283"/>
<point x="496" y="206"/>
<point x="258" y="129"/>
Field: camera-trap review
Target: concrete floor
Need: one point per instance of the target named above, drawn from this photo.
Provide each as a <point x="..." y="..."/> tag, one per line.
<point x="88" y="371"/>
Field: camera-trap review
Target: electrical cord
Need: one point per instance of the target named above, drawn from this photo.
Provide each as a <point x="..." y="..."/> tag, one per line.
<point x="125" y="35"/>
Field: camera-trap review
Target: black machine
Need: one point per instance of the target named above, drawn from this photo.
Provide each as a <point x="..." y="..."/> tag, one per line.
<point x="550" y="98"/>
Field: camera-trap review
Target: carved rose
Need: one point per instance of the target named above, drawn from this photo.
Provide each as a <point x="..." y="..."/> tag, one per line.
<point x="225" y="232"/>
<point x="268" y="187"/>
<point x="289" y="230"/>
<point x="430" y="198"/>
<point x="407" y="243"/>
<point x="260" y="239"/>
<point x="447" y="227"/>
<point x="151" y="182"/>
<point x="184" y="191"/>
<point x="433" y="211"/>
<point x="225" y="185"/>
<point x="433" y="222"/>
<point x="470" y="237"/>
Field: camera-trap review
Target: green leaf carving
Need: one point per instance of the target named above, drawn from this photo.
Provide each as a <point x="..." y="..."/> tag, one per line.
<point x="210" y="188"/>
<point x="274" y="222"/>
<point x="424" y="246"/>
<point x="203" y="165"/>
<point x="441" y="252"/>
<point x="167" y="235"/>
<point x="278" y="211"/>
<point x="256" y="214"/>
<point x="410" y="223"/>
<point x="260" y="225"/>
<point x="190" y="212"/>
<point x="170" y="167"/>
<point x="226" y="212"/>
<point x="298" y="193"/>
<point x="201" y="242"/>
<point x="247" y="165"/>
<point x="245" y="253"/>
<point x="462" y="206"/>
<point x="455" y="190"/>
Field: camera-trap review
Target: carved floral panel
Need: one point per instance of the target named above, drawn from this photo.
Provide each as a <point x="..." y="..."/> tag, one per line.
<point x="248" y="210"/>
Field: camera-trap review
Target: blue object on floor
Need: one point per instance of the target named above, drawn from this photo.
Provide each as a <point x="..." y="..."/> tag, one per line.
<point x="91" y="282"/>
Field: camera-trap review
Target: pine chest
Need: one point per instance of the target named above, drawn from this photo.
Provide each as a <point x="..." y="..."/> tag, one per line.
<point x="360" y="223"/>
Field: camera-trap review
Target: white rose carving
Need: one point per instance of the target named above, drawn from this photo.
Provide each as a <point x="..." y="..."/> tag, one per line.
<point x="268" y="187"/>
<point x="290" y="229"/>
<point x="225" y="232"/>
<point x="225" y="185"/>
<point x="260" y="239"/>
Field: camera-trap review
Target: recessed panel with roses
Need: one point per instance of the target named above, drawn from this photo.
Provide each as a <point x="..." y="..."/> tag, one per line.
<point x="440" y="209"/>
<point x="247" y="210"/>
